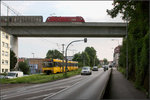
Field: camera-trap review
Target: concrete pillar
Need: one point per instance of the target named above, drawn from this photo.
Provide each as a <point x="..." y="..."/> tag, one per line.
<point x="14" y="44"/>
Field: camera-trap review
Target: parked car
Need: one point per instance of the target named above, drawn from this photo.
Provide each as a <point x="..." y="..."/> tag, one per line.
<point x="2" y="76"/>
<point x="86" y="71"/>
<point x="14" y="74"/>
<point x="95" y="68"/>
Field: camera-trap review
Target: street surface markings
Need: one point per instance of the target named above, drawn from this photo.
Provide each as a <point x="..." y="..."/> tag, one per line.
<point x="36" y="97"/>
<point x="28" y="93"/>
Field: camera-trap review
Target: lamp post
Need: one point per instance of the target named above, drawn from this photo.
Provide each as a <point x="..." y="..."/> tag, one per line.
<point x="33" y="55"/>
<point x="85" y="40"/>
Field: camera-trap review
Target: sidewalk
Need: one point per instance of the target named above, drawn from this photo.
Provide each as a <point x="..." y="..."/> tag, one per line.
<point x="121" y="88"/>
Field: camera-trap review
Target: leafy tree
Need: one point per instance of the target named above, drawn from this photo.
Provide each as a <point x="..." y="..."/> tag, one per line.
<point x="137" y="14"/>
<point x="105" y="61"/>
<point x="85" y="59"/>
<point x="13" y="60"/>
<point x="78" y="57"/>
<point x="23" y="66"/>
<point x="92" y="55"/>
<point x="55" y="54"/>
<point x="97" y="61"/>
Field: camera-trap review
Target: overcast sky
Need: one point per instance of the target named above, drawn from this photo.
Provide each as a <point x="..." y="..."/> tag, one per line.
<point x="91" y="11"/>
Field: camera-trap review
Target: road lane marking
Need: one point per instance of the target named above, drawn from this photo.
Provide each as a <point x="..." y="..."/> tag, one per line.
<point x="8" y="91"/>
<point x="12" y="96"/>
<point x="35" y="97"/>
<point x="47" y="98"/>
<point x="40" y="87"/>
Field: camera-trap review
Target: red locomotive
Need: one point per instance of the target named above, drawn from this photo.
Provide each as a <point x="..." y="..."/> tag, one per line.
<point x="65" y="19"/>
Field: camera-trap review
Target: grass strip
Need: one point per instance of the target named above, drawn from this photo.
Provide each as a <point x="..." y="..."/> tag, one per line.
<point x="40" y="78"/>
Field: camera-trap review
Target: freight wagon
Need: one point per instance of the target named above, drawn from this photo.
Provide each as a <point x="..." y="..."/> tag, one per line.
<point x="20" y="19"/>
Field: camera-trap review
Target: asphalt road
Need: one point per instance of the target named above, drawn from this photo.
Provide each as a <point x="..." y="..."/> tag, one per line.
<point x="88" y="87"/>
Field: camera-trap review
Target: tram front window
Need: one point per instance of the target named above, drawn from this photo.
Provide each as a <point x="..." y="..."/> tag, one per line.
<point x="48" y="64"/>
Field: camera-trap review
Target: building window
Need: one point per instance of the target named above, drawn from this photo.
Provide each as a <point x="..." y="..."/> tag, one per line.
<point x="6" y="62"/>
<point x="2" y="53"/>
<point x="7" y="36"/>
<point x="3" y="34"/>
<point x="6" y="45"/>
<point x="2" y="61"/>
<point x="3" y="44"/>
<point x="6" y="54"/>
<point x="6" y="70"/>
<point x="2" y="70"/>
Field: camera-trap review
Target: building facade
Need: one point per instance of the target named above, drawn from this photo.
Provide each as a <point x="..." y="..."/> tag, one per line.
<point x="116" y="56"/>
<point x="4" y="52"/>
<point x="35" y="64"/>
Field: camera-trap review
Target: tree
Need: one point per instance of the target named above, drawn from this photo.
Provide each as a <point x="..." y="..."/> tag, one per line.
<point x="85" y="59"/>
<point x="77" y="57"/>
<point x="23" y="66"/>
<point x="13" y="60"/>
<point x="105" y="61"/>
<point x="97" y="61"/>
<point x="92" y="55"/>
<point x="82" y="58"/>
<point x="55" y="54"/>
<point x="137" y="14"/>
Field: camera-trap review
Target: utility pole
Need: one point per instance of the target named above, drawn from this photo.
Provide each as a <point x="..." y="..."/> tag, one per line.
<point x="127" y="67"/>
<point x="63" y="56"/>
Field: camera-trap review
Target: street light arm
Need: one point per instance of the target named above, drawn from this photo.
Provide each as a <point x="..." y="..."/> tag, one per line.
<point x="70" y="44"/>
<point x="85" y="40"/>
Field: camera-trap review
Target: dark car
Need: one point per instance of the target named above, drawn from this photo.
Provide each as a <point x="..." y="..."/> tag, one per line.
<point x="86" y="71"/>
<point x="95" y="68"/>
<point x="105" y="67"/>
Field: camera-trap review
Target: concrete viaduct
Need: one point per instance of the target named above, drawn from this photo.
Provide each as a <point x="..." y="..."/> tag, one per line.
<point x="43" y="29"/>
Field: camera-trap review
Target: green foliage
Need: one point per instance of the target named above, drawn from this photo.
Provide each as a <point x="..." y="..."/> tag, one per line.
<point x="122" y="70"/>
<point x="137" y="13"/>
<point x="40" y="78"/>
<point x="105" y="61"/>
<point x="87" y="57"/>
<point x="23" y="66"/>
<point x="92" y="55"/>
<point x="13" y="60"/>
<point x="55" y="54"/>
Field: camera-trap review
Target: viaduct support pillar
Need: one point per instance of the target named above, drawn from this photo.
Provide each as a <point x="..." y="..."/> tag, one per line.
<point x="14" y="44"/>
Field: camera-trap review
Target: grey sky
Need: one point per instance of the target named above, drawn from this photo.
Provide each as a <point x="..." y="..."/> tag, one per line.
<point x="91" y="11"/>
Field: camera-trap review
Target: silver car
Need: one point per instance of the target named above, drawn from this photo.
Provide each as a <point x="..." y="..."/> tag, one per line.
<point x="86" y="71"/>
<point x="95" y="68"/>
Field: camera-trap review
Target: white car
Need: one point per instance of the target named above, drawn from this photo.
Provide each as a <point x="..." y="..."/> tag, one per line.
<point x="86" y="71"/>
<point x="14" y="74"/>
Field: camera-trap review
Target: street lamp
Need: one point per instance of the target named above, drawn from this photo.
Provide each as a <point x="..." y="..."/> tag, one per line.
<point x="33" y="55"/>
<point x="85" y="40"/>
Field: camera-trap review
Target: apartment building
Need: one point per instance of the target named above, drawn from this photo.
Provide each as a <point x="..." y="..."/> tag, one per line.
<point x="116" y="55"/>
<point x="4" y="52"/>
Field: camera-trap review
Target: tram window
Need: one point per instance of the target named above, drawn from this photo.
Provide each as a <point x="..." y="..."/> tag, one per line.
<point x="48" y="64"/>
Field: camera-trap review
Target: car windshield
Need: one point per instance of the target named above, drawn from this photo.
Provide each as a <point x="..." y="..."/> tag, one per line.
<point x="85" y="68"/>
<point x="95" y="67"/>
<point x="11" y="74"/>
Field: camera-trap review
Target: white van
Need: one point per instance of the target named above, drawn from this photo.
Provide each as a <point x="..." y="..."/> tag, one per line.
<point x="14" y="74"/>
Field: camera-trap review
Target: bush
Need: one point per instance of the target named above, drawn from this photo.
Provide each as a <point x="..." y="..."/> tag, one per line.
<point x="23" y="66"/>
